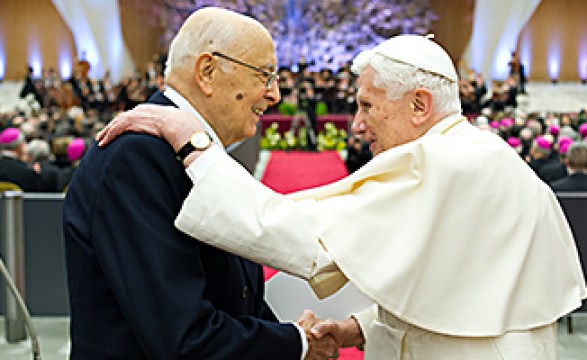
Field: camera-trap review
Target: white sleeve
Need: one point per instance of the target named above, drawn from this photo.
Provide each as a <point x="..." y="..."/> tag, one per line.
<point x="304" y="340"/>
<point x="229" y="209"/>
<point x="365" y="318"/>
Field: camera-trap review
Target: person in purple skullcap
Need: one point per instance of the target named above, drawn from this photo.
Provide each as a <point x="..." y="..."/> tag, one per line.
<point x="583" y="130"/>
<point x="543" y="163"/>
<point x="13" y="144"/>
<point x="507" y="122"/>
<point x="543" y="143"/>
<point x="554" y="130"/>
<point x="76" y="149"/>
<point x="10" y="135"/>
<point x="13" y="166"/>
<point x="563" y="144"/>
<point x="514" y="141"/>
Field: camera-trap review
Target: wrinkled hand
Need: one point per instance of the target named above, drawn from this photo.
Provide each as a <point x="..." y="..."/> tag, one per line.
<point x="307" y="320"/>
<point x="167" y="122"/>
<point x="347" y="332"/>
<point x="318" y="348"/>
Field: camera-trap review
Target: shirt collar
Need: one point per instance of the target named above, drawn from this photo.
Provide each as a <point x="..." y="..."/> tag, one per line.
<point x="183" y="104"/>
<point x="8" y="154"/>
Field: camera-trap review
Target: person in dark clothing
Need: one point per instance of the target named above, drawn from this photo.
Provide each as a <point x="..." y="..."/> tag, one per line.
<point x="576" y="162"/>
<point x="12" y="167"/>
<point x="141" y="289"/>
<point x="30" y="87"/>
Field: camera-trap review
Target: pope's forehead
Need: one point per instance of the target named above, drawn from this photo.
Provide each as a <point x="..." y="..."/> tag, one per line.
<point x="366" y="78"/>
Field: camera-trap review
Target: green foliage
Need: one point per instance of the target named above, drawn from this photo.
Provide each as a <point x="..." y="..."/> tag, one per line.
<point x="321" y="108"/>
<point x="331" y="138"/>
<point x="297" y="138"/>
<point x="287" y="108"/>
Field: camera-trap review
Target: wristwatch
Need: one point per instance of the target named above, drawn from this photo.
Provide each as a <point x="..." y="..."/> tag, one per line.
<point x="200" y="141"/>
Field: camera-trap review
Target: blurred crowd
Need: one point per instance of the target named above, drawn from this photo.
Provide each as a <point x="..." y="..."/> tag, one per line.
<point x="58" y="119"/>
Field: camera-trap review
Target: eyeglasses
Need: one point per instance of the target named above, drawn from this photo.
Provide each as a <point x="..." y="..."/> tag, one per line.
<point x="271" y="76"/>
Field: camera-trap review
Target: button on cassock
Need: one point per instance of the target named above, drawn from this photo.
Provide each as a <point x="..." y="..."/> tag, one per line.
<point x="245" y="291"/>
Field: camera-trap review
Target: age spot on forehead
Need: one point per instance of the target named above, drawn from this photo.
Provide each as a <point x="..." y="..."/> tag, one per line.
<point x="239" y="96"/>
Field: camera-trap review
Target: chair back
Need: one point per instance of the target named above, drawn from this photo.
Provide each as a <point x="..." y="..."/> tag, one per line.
<point x="9" y="186"/>
<point x="574" y="206"/>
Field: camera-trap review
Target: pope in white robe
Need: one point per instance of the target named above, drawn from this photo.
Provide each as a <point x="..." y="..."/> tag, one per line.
<point x="464" y="251"/>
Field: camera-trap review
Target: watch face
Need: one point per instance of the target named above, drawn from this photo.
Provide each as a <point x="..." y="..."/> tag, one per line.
<point x="200" y="140"/>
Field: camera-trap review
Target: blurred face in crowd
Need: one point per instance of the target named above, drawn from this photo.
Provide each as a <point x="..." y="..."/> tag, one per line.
<point x="385" y="123"/>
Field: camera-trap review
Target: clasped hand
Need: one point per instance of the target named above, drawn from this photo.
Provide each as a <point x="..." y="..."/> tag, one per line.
<point x="326" y="336"/>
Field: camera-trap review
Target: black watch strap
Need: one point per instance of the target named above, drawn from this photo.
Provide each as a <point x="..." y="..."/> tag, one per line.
<point x="200" y="140"/>
<point x="185" y="150"/>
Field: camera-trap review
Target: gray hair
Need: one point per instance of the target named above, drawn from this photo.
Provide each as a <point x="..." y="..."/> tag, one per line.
<point x="208" y="34"/>
<point x="398" y="78"/>
<point x="39" y="150"/>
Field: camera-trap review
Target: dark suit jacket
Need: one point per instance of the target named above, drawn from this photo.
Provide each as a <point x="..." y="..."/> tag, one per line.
<point x="141" y="289"/>
<point x="16" y="171"/>
<point x="50" y="177"/>
<point x="548" y="170"/>
<point x="574" y="182"/>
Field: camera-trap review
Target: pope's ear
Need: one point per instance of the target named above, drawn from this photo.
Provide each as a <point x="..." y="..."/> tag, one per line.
<point x="421" y="106"/>
<point x="205" y="68"/>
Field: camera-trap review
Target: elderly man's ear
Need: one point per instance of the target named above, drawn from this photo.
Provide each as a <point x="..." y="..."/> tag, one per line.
<point x="205" y="68"/>
<point x="421" y="106"/>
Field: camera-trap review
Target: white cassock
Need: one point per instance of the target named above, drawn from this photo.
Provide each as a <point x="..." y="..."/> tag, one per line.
<point x="466" y="253"/>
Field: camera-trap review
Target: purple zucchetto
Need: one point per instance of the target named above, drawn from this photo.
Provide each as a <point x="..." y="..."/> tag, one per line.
<point x="563" y="144"/>
<point x="542" y="142"/>
<point x="554" y="130"/>
<point x="494" y="124"/>
<point x="507" y="122"/>
<point x="9" y="135"/>
<point x="75" y="149"/>
<point x="583" y="130"/>
<point x="514" y="141"/>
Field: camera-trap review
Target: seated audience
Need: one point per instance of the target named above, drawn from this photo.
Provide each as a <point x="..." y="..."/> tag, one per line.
<point x="41" y="162"/>
<point x="546" y="168"/>
<point x="576" y="161"/>
<point x="12" y="167"/>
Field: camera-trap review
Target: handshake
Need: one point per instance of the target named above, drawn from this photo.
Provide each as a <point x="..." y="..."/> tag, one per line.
<point x="326" y="336"/>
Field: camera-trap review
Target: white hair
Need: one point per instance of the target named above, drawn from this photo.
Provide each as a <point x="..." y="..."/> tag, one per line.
<point x="39" y="149"/>
<point x="208" y="34"/>
<point x="397" y="78"/>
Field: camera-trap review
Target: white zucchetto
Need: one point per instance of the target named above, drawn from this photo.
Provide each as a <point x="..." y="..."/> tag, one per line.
<point x="418" y="51"/>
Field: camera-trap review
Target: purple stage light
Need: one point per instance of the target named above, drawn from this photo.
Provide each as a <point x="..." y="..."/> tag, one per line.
<point x="65" y="62"/>
<point x="582" y="61"/>
<point x="554" y="60"/>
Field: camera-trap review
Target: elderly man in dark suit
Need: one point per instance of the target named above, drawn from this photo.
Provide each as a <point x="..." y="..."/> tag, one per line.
<point x="141" y="289"/>
<point x="577" y="166"/>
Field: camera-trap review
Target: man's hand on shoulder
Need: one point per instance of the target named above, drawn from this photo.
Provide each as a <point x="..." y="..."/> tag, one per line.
<point x="167" y="122"/>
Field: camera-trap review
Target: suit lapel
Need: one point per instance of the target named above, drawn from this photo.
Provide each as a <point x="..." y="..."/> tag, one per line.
<point x="251" y="270"/>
